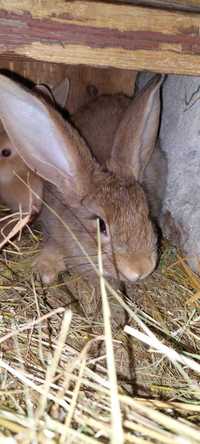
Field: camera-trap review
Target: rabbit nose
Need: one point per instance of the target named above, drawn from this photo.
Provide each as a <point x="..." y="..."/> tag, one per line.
<point x="149" y="270"/>
<point x="130" y="275"/>
<point x="137" y="267"/>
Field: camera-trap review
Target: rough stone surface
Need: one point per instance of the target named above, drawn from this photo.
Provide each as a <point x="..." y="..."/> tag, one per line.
<point x="180" y="141"/>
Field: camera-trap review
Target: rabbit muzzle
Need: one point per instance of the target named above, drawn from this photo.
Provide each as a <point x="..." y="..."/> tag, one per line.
<point x="137" y="266"/>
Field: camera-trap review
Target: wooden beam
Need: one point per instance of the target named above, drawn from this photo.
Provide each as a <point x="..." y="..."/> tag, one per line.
<point x="101" y="34"/>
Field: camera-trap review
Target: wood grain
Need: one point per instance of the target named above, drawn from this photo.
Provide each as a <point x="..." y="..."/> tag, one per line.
<point x="101" y="34"/>
<point x="86" y="82"/>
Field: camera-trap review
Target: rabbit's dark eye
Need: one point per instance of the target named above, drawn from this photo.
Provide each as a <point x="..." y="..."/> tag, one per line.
<point x="102" y="226"/>
<point x="6" y="152"/>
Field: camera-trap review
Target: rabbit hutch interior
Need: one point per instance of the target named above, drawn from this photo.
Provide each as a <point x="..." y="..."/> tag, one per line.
<point x="99" y="217"/>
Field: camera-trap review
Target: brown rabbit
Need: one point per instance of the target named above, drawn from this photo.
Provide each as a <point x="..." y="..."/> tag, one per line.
<point x="13" y="192"/>
<point x="81" y="190"/>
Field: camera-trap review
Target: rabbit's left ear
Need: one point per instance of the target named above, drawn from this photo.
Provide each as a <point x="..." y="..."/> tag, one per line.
<point x="136" y="135"/>
<point x="50" y="146"/>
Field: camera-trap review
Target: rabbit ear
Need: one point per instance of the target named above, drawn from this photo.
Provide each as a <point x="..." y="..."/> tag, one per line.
<point x="45" y="92"/>
<point x="136" y="135"/>
<point x="61" y="92"/>
<point x="58" y="94"/>
<point x="51" y="148"/>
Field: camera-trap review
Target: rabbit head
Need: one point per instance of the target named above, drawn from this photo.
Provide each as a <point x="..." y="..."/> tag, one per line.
<point x="84" y="188"/>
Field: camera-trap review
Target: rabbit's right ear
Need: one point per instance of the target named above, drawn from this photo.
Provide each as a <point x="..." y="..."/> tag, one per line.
<point x="58" y="94"/>
<point x="136" y="135"/>
<point x="61" y="92"/>
<point x="49" y="146"/>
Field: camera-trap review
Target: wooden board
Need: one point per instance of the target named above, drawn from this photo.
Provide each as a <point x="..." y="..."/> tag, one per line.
<point x="101" y="34"/>
<point x="86" y="82"/>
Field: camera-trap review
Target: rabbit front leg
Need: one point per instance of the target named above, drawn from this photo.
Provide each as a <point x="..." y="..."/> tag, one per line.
<point x="50" y="262"/>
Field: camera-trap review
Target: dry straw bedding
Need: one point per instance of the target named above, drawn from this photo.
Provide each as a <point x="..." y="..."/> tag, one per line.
<point x="82" y="362"/>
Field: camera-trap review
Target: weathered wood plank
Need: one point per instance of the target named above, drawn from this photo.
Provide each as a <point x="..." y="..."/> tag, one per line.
<point x="101" y="34"/>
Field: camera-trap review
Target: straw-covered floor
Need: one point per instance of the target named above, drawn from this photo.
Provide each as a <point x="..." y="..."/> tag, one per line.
<point x="63" y="346"/>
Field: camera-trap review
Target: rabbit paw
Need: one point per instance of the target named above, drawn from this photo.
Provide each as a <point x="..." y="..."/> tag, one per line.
<point x="48" y="266"/>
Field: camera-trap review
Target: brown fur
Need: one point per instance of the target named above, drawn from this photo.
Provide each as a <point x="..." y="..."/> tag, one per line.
<point x="83" y="189"/>
<point x="98" y="123"/>
<point x="123" y="207"/>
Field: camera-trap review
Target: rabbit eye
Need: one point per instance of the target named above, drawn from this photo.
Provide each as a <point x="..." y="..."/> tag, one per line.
<point x="6" y="152"/>
<point x="102" y="226"/>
